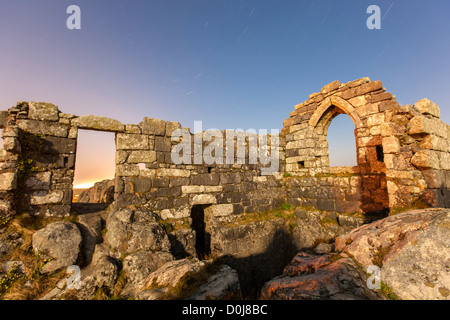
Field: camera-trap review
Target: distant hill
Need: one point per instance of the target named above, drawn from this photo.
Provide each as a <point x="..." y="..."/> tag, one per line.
<point x="76" y="194"/>
<point x="101" y="192"/>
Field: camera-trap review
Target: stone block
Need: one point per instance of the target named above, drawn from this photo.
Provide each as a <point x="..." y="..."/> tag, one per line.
<point x="220" y="210"/>
<point x="227" y="178"/>
<point x="11" y="144"/>
<point x="3" y="118"/>
<point x="98" y="123"/>
<point x="163" y="144"/>
<point x="126" y="141"/>
<point x="133" y="128"/>
<point x="426" y="159"/>
<point x="203" y="199"/>
<point x="391" y="145"/>
<point x="433" y="142"/>
<point x="142" y="156"/>
<point x="46" y="197"/>
<point x="127" y="170"/>
<point x="207" y="179"/>
<point x="58" y="145"/>
<point x="8" y="181"/>
<point x="200" y="189"/>
<point x="43" y="128"/>
<point x="39" y="181"/>
<point x="153" y="126"/>
<point x="375" y="119"/>
<point x="330" y="87"/>
<point x="171" y="127"/>
<point x="428" y="107"/>
<point x="167" y="172"/>
<point x="380" y="97"/>
<point x="42" y="111"/>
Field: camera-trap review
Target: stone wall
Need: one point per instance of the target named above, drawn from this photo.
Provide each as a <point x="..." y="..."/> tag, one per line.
<point x="402" y="154"/>
<point x="402" y="151"/>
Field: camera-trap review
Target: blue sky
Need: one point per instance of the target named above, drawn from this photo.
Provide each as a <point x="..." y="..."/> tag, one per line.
<point x="232" y="64"/>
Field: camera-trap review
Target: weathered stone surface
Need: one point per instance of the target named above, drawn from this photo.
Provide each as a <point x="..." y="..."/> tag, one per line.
<point x="411" y="248"/>
<point x="167" y="172"/>
<point x="426" y="159"/>
<point x="43" y="128"/>
<point x="60" y="241"/>
<point x="223" y="284"/>
<point x="330" y="87"/>
<point x="146" y="156"/>
<point x="171" y="273"/>
<point x="3" y="118"/>
<point x="90" y="226"/>
<point x="153" y="126"/>
<point x="98" y="123"/>
<point x="220" y="210"/>
<point x="203" y="199"/>
<point x="132" y="141"/>
<point x="45" y="197"/>
<point x="39" y="181"/>
<point x="135" y="229"/>
<point x="310" y="277"/>
<point x="43" y="111"/>
<point x="139" y="265"/>
<point x="8" y="181"/>
<point x="183" y="243"/>
<point x="101" y="192"/>
<point x="323" y="248"/>
<point x="426" y="106"/>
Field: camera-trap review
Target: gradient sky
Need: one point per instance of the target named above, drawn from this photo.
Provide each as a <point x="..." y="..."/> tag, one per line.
<point x="232" y="64"/>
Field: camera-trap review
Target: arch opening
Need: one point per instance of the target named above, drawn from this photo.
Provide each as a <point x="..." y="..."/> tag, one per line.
<point x="341" y="142"/>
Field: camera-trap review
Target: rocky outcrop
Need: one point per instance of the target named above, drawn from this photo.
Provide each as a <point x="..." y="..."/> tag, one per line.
<point x="59" y="241"/>
<point x="101" y="192"/>
<point x="412" y="249"/>
<point x="132" y="229"/>
<point x="313" y="277"/>
<point x="259" y="250"/>
<point x="222" y="283"/>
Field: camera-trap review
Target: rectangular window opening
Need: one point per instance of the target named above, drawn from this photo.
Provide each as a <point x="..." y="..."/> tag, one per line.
<point x="380" y="153"/>
<point x="301" y="164"/>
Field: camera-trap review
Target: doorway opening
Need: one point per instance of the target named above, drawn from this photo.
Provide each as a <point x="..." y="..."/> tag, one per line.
<point x="342" y="142"/>
<point x="202" y="237"/>
<point x="93" y="184"/>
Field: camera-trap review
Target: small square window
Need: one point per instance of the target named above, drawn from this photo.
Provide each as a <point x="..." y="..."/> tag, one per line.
<point x="380" y="153"/>
<point x="301" y="164"/>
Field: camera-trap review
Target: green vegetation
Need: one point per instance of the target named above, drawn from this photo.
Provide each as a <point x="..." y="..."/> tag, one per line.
<point x="388" y="292"/>
<point x="328" y="221"/>
<point x="286" y="212"/>
<point x="29" y="283"/>
<point x="416" y="204"/>
<point x="11" y="276"/>
<point x="287" y="175"/>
